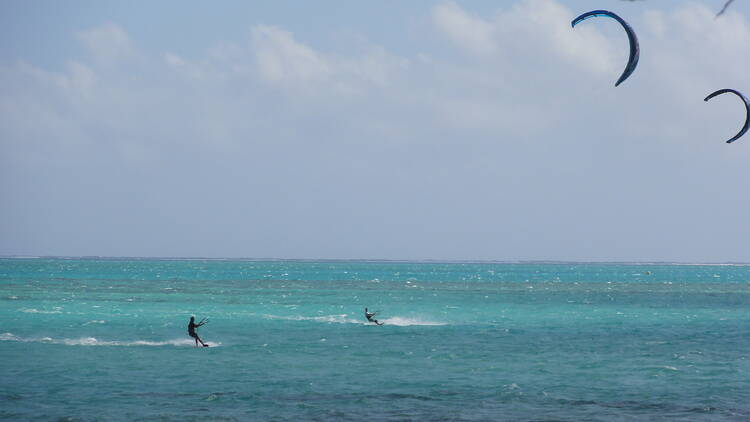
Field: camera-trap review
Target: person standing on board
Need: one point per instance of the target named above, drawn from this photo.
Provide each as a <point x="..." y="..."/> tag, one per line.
<point x="191" y="330"/>
<point x="370" y="315"/>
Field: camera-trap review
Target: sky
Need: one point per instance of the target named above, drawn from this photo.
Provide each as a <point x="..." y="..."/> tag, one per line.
<point x="415" y="130"/>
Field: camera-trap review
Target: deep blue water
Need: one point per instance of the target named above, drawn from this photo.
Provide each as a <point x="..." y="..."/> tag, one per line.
<point x="100" y="339"/>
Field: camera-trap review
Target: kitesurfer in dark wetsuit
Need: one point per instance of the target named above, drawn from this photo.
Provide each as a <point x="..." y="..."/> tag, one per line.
<point x="191" y="330"/>
<point x="370" y="315"/>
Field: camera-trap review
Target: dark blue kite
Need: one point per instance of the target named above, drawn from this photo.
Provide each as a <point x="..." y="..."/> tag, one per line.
<point x="634" y="49"/>
<point x="747" y="110"/>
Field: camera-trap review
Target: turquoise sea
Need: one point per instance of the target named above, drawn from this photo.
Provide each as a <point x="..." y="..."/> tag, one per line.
<point x="105" y="340"/>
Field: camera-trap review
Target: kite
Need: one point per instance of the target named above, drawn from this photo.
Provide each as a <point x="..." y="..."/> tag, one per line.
<point x="747" y="109"/>
<point x="634" y="49"/>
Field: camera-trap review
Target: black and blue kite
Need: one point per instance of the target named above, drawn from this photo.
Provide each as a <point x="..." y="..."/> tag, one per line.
<point x="634" y="48"/>
<point x="747" y="110"/>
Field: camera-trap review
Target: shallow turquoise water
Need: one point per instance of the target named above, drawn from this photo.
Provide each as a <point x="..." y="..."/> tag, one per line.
<point x="106" y="340"/>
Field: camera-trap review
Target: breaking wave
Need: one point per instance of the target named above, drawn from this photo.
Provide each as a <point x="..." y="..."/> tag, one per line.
<point x="38" y="311"/>
<point x="92" y="341"/>
<point x="347" y="319"/>
<point x="405" y="322"/>
<point x="338" y="319"/>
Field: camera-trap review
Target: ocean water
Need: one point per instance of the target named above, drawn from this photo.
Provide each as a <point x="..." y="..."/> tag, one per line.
<point x="105" y="339"/>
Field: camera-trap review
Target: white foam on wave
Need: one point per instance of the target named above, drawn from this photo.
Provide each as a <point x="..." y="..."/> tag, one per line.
<point x="405" y="322"/>
<point x="338" y="319"/>
<point x="347" y="319"/>
<point x="37" y="311"/>
<point x="8" y="337"/>
<point x="92" y="341"/>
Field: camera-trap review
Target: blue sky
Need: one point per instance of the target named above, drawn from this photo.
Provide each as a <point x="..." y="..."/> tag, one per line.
<point x="394" y="130"/>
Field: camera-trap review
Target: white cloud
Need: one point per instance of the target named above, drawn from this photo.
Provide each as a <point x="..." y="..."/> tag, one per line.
<point x="525" y="127"/>
<point x="174" y="60"/>
<point x="538" y="28"/>
<point x="692" y="43"/>
<point x="530" y="66"/>
<point x="289" y="64"/>
<point x="468" y="32"/>
<point x="281" y="58"/>
<point x="527" y="63"/>
<point x="108" y="44"/>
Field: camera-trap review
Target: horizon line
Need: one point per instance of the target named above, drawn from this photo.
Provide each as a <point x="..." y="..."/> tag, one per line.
<point x="424" y="260"/>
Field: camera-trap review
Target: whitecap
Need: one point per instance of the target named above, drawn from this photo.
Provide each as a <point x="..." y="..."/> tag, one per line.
<point x="37" y="311"/>
<point x="8" y="337"/>
<point x="339" y="319"/>
<point x="346" y="319"/>
<point x="93" y="341"/>
<point x="405" y="322"/>
<point x="83" y="341"/>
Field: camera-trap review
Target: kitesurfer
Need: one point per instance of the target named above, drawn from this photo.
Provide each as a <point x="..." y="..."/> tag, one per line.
<point x="191" y="330"/>
<point x="370" y="315"/>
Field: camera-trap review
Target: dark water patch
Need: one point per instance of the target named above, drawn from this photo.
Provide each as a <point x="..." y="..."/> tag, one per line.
<point x="662" y="409"/>
<point x="175" y="395"/>
<point x="10" y="397"/>
<point x="641" y="406"/>
<point x="179" y="417"/>
<point x="349" y="397"/>
<point x="404" y="396"/>
<point x="705" y="409"/>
